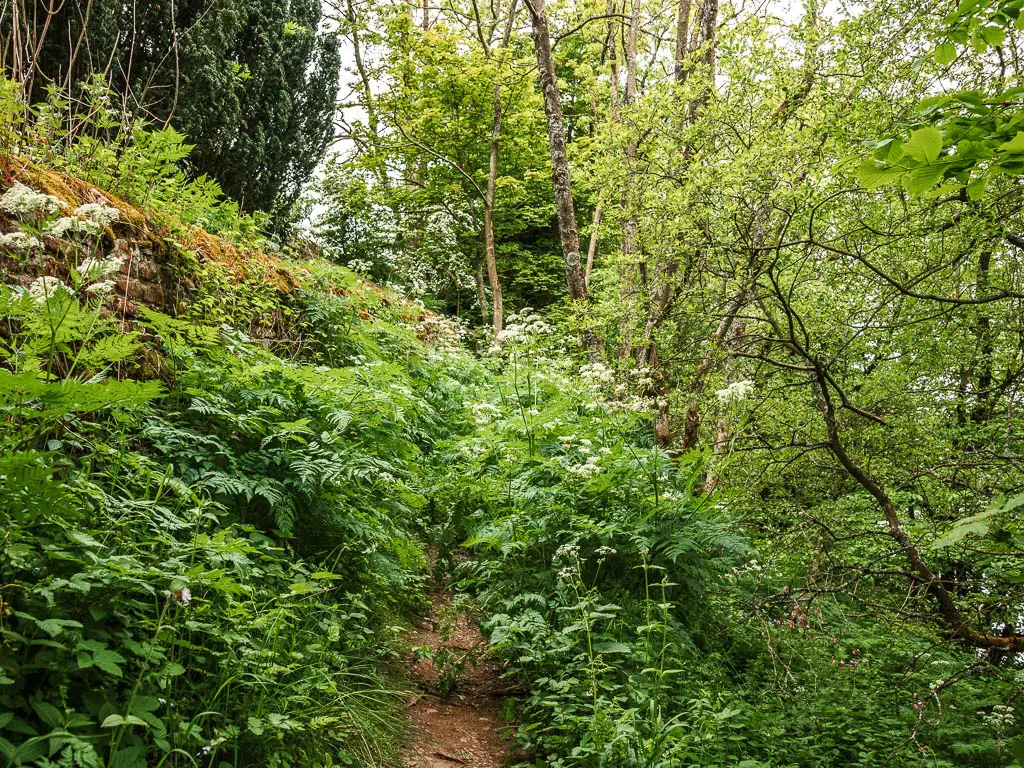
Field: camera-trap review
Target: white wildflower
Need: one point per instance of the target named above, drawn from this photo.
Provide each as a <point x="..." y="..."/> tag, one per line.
<point x="567" y="550"/>
<point x="1001" y="717"/>
<point x="735" y="392"/>
<point x="26" y="203"/>
<point x="45" y="287"/>
<point x="19" y="242"/>
<point x="102" y="288"/>
<point x="98" y="213"/>
<point x="185" y="595"/>
<point x="96" y="269"/>
<point x="605" y="551"/>
<point x="72" y="225"/>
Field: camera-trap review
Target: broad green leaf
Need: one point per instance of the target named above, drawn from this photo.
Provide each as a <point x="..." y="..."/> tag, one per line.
<point x="993" y="35"/>
<point x="109" y="662"/>
<point x="976" y="189"/>
<point x="1016" y="144"/>
<point x="115" y="721"/>
<point x="920" y="180"/>
<point x="872" y="175"/>
<point x="924" y="145"/>
<point x="945" y="53"/>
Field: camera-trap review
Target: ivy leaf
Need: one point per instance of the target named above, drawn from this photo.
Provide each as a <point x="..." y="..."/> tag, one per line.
<point x="924" y="144"/>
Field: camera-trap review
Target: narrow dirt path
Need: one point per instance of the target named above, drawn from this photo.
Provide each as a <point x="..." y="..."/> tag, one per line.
<point x="455" y="718"/>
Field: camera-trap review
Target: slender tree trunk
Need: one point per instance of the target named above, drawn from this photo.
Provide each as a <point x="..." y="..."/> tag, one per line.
<point x="682" y="40"/>
<point x="481" y="293"/>
<point x="498" y="314"/>
<point x="492" y="180"/>
<point x="949" y="611"/>
<point x="594" y="237"/>
<point x="628" y="235"/>
<point x="983" y="396"/>
<point x="568" y="232"/>
<point x="724" y="431"/>
<point x="691" y="429"/>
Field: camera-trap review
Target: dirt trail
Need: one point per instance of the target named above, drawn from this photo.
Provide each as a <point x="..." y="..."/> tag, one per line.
<point x="466" y="728"/>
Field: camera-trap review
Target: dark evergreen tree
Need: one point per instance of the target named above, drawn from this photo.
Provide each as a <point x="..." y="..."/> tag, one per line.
<point x="252" y="83"/>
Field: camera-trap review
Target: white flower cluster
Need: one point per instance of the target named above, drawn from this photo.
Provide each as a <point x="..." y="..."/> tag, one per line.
<point x="89" y="219"/>
<point x="23" y="202"/>
<point x="98" y="213"/>
<point x="605" y="551"/>
<point x="567" y="550"/>
<point x="587" y="469"/>
<point x="19" y="242"/>
<point x="362" y="266"/>
<point x="444" y="334"/>
<point x="735" y="392"/>
<point x="102" y="288"/>
<point x="483" y="413"/>
<point x="521" y="329"/>
<point x="1001" y="717"/>
<point x="45" y="287"/>
<point x="97" y="269"/>
<point x="597" y="374"/>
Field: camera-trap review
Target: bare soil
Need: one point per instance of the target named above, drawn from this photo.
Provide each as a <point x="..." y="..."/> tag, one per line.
<point x="466" y="728"/>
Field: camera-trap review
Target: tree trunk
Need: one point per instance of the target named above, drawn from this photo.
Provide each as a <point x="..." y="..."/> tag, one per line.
<point x="691" y="430"/>
<point x="682" y="40"/>
<point x="498" y="314"/>
<point x="489" y="255"/>
<point x="568" y="233"/>
<point x="592" y="248"/>
<point x="481" y="293"/>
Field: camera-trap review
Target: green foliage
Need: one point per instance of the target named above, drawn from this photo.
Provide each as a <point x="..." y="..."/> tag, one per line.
<point x="253" y="83"/>
<point x="209" y="568"/>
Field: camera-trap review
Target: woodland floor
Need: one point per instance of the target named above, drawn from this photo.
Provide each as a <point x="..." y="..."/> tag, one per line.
<point x="465" y="728"/>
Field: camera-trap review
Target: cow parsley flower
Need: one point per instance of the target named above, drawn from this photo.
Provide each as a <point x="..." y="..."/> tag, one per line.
<point x="26" y="203"/>
<point x="45" y="287"/>
<point x="567" y="550"/>
<point x="72" y="225"/>
<point x="19" y="242"/>
<point x="99" y="214"/>
<point x="102" y="288"/>
<point x="96" y="269"/>
<point x="735" y="392"/>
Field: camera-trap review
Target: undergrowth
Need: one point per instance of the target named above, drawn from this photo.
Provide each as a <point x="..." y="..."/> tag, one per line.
<point x="209" y="541"/>
<point x="637" y="623"/>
